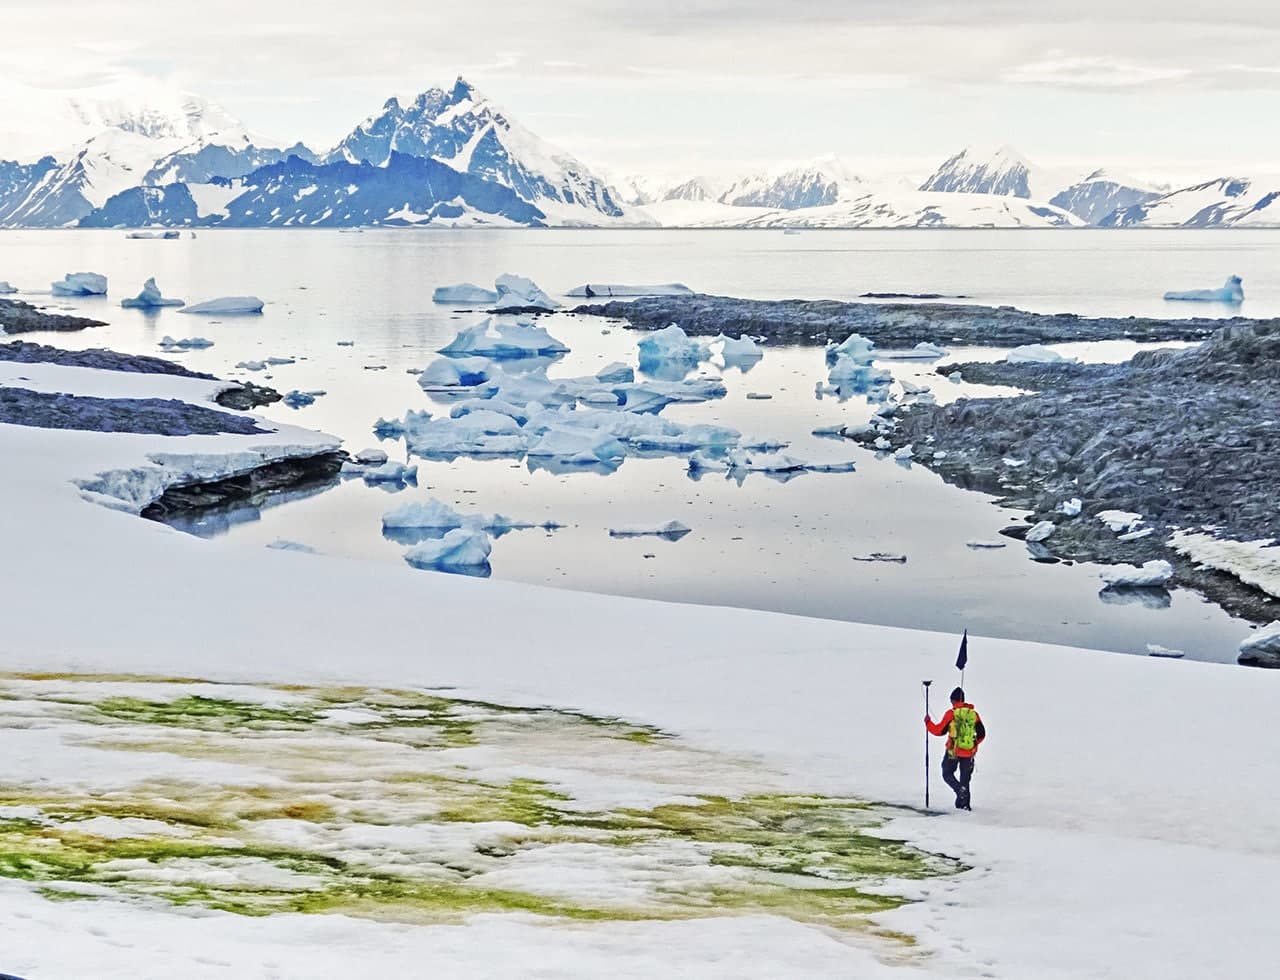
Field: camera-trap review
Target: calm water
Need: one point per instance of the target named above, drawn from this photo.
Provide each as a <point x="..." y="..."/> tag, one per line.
<point x="764" y="543"/>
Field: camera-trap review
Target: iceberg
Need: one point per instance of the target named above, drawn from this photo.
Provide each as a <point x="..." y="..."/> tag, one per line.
<point x="478" y="433"/>
<point x="464" y="292"/>
<point x="451" y="373"/>
<point x="1036" y="354"/>
<point x="371" y="457"/>
<point x="579" y="446"/>
<point x="735" y="351"/>
<point x="462" y="549"/>
<point x="852" y="376"/>
<point x="6" y="288"/>
<point x="167" y="343"/>
<point x="671" y="344"/>
<point x="391" y="473"/>
<point x="594" y="290"/>
<point x="149" y="298"/>
<point x="923" y="351"/>
<point x="855" y="348"/>
<point x="672" y="530"/>
<point x="1232" y="291"/>
<point x="80" y="284"/>
<point x="517" y="293"/>
<point x="1152" y="575"/>
<point x="616" y="373"/>
<point x="429" y="514"/>
<point x="498" y="339"/>
<point x="301" y="399"/>
<point x="226" y="306"/>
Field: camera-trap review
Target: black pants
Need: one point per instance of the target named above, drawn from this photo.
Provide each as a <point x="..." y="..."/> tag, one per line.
<point x="950" y="764"/>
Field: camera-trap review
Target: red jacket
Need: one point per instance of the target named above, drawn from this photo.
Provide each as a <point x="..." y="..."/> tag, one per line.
<point x="943" y="727"/>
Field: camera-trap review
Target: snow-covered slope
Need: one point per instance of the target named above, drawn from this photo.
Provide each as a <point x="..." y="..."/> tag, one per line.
<point x="1100" y="193"/>
<point x="810" y="185"/>
<point x="464" y="129"/>
<point x="1227" y="202"/>
<point x="232" y="154"/>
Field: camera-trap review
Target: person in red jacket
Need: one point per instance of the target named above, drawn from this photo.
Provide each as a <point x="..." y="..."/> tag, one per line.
<point x="964" y="730"/>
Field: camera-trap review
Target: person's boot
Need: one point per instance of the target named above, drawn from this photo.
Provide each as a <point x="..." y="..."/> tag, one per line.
<point x="962" y="801"/>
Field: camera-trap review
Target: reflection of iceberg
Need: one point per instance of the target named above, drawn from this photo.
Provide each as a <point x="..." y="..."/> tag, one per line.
<point x="1147" y="598"/>
<point x="1232" y="291"/>
<point x="497" y="338"/>
<point x="463" y="550"/>
<point x="464" y="293"/>
<point x="671" y="530"/>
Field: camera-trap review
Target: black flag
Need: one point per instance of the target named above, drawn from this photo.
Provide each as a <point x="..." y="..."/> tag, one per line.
<point x="963" y="657"/>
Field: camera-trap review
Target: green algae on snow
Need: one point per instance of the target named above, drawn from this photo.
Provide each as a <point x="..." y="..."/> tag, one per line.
<point x="409" y="806"/>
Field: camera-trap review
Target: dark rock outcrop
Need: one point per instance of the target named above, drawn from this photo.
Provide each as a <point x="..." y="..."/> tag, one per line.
<point x="19" y="317"/>
<point x="151" y="416"/>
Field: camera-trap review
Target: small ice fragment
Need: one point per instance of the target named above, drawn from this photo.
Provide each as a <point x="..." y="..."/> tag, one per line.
<point x="1152" y="575"/>
<point x="616" y="373"/>
<point x="186" y="343"/>
<point x="1119" y="521"/>
<point x="6" y="288"/>
<point x="371" y="457"/>
<point x="1041" y="531"/>
<point x="1137" y="535"/>
<point x="888" y="556"/>
<point x="906" y="452"/>
<point x="392" y="473"/>
<point x="980" y="545"/>
<point x="1072" y="507"/>
<point x="301" y="399"/>
<point x="758" y="396"/>
<point x="462" y="548"/>
<point x="1156" y="650"/>
<point x="1037" y="354"/>
<point x="280" y="544"/>
<point x="252" y="365"/>
<point x="431" y="514"/>
<point x="496" y="338"/>
<point x="226" y="305"/>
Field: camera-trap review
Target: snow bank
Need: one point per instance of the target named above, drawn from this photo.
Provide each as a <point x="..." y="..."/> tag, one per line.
<point x="1037" y="354"/>
<point x="226" y="306"/>
<point x="1255" y="563"/>
<point x="1232" y="291"/>
<point x="1152" y="575"/>
<point x="461" y="548"/>
<point x="464" y="293"/>
<point x="149" y="298"/>
<point x="80" y="284"/>
<point x="497" y="338"/>
<point x="596" y="290"/>
<point x="517" y="292"/>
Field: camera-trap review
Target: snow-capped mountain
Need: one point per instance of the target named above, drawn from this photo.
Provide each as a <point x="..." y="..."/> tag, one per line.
<point x="693" y="189"/>
<point x="1002" y="171"/>
<point x="231" y="155"/>
<point x="816" y="184"/>
<point x="1101" y="193"/>
<point x="1227" y="202"/>
<point x="464" y="129"/>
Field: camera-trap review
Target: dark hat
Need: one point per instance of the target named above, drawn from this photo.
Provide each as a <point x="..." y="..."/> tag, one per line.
<point x="958" y="694"/>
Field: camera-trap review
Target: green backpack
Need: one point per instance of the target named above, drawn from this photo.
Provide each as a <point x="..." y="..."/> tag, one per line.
<point x="964" y="729"/>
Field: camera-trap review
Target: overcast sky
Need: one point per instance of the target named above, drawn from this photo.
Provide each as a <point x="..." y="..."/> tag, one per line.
<point x="1176" y="88"/>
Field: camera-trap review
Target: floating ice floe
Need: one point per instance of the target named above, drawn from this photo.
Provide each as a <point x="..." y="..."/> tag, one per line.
<point x="1037" y="354"/>
<point x="226" y="306"/>
<point x="851" y="370"/>
<point x="462" y="549"/>
<point x="252" y="365"/>
<point x="276" y="360"/>
<point x="301" y="399"/>
<point x="1232" y="291"/>
<point x="671" y="344"/>
<point x="371" y="457"/>
<point x="6" y="288"/>
<point x="1152" y="575"/>
<point x="923" y="351"/>
<point x="1119" y="521"/>
<point x="737" y="351"/>
<point x="910" y="387"/>
<point x="464" y="292"/>
<point x="616" y="373"/>
<point x="672" y="530"/>
<point x="496" y="338"/>
<point x="578" y="446"/>
<point x="517" y="293"/>
<point x="593" y="290"/>
<point x="979" y="545"/>
<point x="168" y="343"/>
<point x="80" y="284"/>
<point x="479" y="433"/>
<point x="451" y="373"/>
<point x="429" y="514"/>
<point x="391" y="473"/>
<point x="1041" y="531"/>
<point x="149" y="298"/>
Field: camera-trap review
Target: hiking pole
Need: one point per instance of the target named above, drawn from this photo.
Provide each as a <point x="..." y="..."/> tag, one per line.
<point x="926" y="745"/>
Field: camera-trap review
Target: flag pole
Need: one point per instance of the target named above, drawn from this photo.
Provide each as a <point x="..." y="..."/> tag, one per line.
<point x="926" y="745"/>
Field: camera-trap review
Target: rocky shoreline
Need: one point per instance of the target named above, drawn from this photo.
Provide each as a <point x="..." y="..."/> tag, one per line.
<point x="893" y="325"/>
<point x="19" y="317"/>
<point x="1188" y="439"/>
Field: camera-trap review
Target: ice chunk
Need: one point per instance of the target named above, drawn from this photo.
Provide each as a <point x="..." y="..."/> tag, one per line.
<point x="758" y="396"/>
<point x="1072" y="507"/>
<point x="226" y="306"/>
<point x="252" y="365"/>
<point x="460" y="549"/>
<point x="1036" y="354"/>
<point x="1262" y="649"/>
<point x="1156" y="650"/>
<point x="430" y="514"/>
<point x="497" y="338"/>
<point x="923" y="351"/>
<point x="450" y="373"/>
<point x="578" y="446"/>
<point x="1041" y="531"/>
<point x="371" y="457"/>
<point x="186" y="343"/>
<point x="856" y="348"/>
<point x="979" y="545"/>
<point x="1232" y="291"/>
<point x="276" y="361"/>
<point x="6" y="288"/>
<point x="672" y="530"/>
<point x="912" y="388"/>
<point x="616" y="373"/>
<point x="671" y="344"/>
<point x="81" y="284"/>
<point x="593" y="290"/>
<point x="517" y="292"/>
<point x="736" y="351"/>
<point x="478" y="433"/>
<point x="1119" y="521"/>
<point x="149" y="298"/>
<point x="1137" y="535"/>
<point x="766" y="462"/>
<point x="464" y="292"/>
<point x="906" y="452"/>
<point x="888" y="556"/>
<point x="389" y="428"/>
<point x="1152" y="575"/>
<point x="301" y="399"/>
<point x="392" y="473"/>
